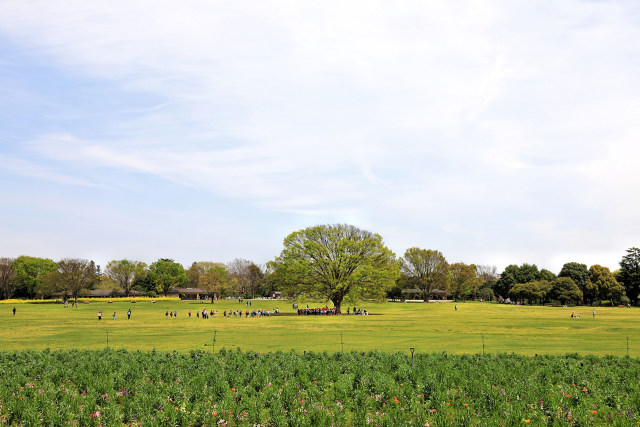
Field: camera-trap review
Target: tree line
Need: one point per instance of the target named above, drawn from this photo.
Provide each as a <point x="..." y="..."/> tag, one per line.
<point x="332" y="262"/>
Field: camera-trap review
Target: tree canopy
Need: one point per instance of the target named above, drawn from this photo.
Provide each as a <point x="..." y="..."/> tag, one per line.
<point x="7" y="273"/>
<point x="427" y="268"/>
<point x="29" y="274"/>
<point x="630" y="273"/>
<point x="579" y="273"/>
<point x="464" y="280"/>
<point x="335" y="261"/>
<point x="125" y="272"/>
<point x="72" y="277"/>
<point x="602" y="285"/>
<point x="166" y="274"/>
<point x="564" y="289"/>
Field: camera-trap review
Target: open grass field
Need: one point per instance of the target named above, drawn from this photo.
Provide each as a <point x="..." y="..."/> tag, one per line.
<point x="392" y="327"/>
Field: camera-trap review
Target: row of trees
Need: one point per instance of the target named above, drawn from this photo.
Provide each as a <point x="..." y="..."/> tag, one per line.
<point x="332" y="262"/>
<point x="30" y="277"/>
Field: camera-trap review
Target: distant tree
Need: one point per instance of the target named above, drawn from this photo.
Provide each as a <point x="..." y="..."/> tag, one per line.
<point x="29" y="275"/>
<point x="513" y="275"/>
<point x="486" y="293"/>
<point x="240" y="271"/>
<point x="428" y="269"/>
<point x="7" y="274"/>
<point x="125" y="272"/>
<point x="579" y="273"/>
<point x="547" y="275"/>
<point x="335" y="261"/>
<point x="257" y="281"/>
<point x="72" y="277"/>
<point x="604" y="283"/>
<point x="464" y="280"/>
<point x="530" y="291"/>
<point x="214" y="280"/>
<point x="166" y="274"/>
<point x="565" y="290"/>
<point x="212" y="277"/>
<point x="630" y="273"/>
<point x="488" y="274"/>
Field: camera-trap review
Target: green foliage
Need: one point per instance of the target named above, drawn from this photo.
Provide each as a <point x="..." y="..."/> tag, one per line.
<point x="334" y="261"/>
<point x="602" y="285"/>
<point x="29" y="273"/>
<point x="531" y="291"/>
<point x="577" y="272"/>
<point x="513" y="275"/>
<point x="464" y="281"/>
<point x="316" y="389"/>
<point x="71" y="278"/>
<point x="125" y="273"/>
<point x="630" y="273"/>
<point x="428" y="269"/>
<point x="165" y="274"/>
<point x="565" y="290"/>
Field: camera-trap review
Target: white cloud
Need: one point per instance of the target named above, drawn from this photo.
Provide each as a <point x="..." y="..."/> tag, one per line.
<point x="456" y="125"/>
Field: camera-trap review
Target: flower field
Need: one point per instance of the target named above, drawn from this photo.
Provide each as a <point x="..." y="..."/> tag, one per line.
<point x="114" y="388"/>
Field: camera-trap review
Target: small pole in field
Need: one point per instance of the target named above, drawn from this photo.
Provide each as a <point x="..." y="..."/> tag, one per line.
<point x="627" y="346"/>
<point x="412" y="350"/>
<point x="341" y="343"/>
<point x="483" y="344"/>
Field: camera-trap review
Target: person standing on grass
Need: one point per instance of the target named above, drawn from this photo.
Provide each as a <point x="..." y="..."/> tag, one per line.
<point x="14" y="311"/>
<point x="100" y="315"/>
<point x="594" y="313"/>
<point x="129" y="314"/>
<point x="114" y="315"/>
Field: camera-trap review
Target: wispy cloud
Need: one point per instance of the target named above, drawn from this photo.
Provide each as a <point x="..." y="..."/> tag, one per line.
<point x="482" y="129"/>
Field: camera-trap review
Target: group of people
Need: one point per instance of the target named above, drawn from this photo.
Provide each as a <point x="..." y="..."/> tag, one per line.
<point x="358" y="312"/>
<point x="324" y="311"/>
<point x="206" y="314"/>
<point x="114" y="315"/>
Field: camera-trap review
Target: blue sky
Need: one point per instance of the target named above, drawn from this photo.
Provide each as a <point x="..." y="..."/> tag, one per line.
<point x="497" y="132"/>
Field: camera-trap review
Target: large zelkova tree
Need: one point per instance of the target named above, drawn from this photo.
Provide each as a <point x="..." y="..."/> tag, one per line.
<point x="334" y="262"/>
<point x="71" y="278"/>
<point x="29" y="276"/>
<point x="211" y="277"/>
<point x="7" y="274"/>
<point x="428" y="269"/>
<point x="166" y="274"/>
<point x="578" y="272"/>
<point x="630" y="273"/>
<point x="464" y="280"/>
<point x="602" y="285"/>
<point x="125" y="273"/>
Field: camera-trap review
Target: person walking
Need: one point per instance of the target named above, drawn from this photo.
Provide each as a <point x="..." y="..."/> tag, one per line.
<point x="129" y="314"/>
<point x="114" y="315"/>
<point x="14" y="311"/>
<point x="100" y="315"/>
<point x="594" y="313"/>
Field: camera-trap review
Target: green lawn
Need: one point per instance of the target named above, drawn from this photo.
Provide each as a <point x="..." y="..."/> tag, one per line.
<point x="391" y="327"/>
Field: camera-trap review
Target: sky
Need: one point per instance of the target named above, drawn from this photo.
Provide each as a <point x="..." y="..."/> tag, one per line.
<point x="496" y="132"/>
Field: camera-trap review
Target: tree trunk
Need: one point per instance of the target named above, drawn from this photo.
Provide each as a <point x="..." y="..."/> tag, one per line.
<point x="211" y="298"/>
<point x="337" y="303"/>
